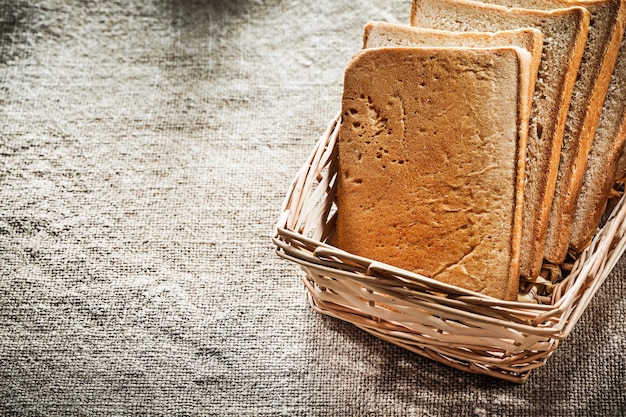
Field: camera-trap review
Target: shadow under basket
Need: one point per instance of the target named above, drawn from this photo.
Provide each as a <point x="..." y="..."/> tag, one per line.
<point x="460" y="328"/>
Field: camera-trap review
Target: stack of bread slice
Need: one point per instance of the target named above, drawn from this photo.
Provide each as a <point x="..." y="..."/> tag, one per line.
<point x="481" y="142"/>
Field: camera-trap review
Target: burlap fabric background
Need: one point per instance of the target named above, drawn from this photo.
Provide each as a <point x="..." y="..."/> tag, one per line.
<point x="144" y="152"/>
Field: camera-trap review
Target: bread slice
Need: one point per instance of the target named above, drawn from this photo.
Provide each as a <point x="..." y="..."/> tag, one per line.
<point x="383" y="34"/>
<point x="565" y="33"/>
<point x="603" y="160"/>
<point x="605" y="36"/>
<point x="431" y="163"/>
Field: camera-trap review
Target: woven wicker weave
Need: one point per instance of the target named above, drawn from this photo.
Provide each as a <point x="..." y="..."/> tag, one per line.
<point x="463" y="329"/>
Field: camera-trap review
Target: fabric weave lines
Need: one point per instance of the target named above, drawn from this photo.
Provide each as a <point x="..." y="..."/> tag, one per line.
<point x="145" y="148"/>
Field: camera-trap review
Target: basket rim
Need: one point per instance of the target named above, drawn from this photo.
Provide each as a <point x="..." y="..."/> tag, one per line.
<point x="555" y="320"/>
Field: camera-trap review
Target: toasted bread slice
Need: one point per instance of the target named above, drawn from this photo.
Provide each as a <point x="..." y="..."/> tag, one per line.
<point x="604" y="159"/>
<point x="431" y="163"/>
<point x="383" y="34"/>
<point x="605" y="36"/>
<point x="565" y="34"/>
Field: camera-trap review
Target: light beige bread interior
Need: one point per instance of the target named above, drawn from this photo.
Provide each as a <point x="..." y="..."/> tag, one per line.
<point x="604" y="159"/>
<point x="565" y="33"/>
<point x="620" y="175"/>
<point x="605" y="35"/>
<point x="431" y="163"/>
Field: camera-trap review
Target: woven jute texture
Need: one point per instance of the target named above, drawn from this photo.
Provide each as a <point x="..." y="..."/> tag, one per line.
<point x="145" y="149"/>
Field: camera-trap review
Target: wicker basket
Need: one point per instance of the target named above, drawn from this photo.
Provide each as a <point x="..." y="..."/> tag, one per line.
<point x="463" y="329"/>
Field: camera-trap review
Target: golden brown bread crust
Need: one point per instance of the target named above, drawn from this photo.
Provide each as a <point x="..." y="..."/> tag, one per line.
<point x="565" y="33"/>
<point x="429" y="163"/>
